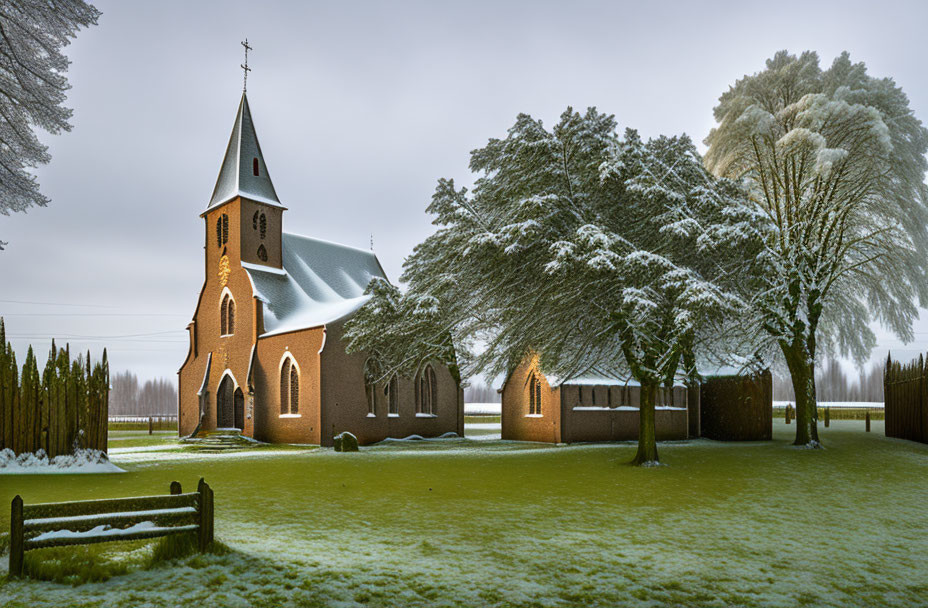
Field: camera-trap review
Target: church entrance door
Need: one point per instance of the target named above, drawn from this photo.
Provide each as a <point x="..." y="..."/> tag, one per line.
<point x="224" y="415"/>
<point x="239" y="409"/>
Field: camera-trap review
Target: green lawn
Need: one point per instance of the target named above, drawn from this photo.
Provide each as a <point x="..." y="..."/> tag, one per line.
<point x="468" y="523"/>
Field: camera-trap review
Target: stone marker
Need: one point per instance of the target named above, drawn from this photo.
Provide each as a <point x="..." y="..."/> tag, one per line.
<point x="346" y="442"/>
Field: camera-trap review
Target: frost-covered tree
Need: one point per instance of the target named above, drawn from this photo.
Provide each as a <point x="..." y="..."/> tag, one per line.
<point x="590" y="250"/>
<point x="32" y="89"/>
<point x="834" y="162"/>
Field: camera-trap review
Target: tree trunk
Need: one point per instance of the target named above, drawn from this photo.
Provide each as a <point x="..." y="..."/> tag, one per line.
<point x="802" y="373"/>
<point x="647" y="442"/>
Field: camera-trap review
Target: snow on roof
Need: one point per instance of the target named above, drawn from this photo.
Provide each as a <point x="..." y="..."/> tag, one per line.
<point x="237" y="176"/>
<point x="322" y="282"/>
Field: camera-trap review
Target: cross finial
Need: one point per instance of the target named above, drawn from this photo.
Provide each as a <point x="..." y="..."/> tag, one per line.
<point x="245" y="67"/>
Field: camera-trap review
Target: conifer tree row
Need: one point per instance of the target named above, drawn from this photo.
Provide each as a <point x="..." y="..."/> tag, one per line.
<point x="61" y="409"/>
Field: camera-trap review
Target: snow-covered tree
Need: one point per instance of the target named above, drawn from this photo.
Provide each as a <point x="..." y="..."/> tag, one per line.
<point x="32" y="89"/>
<point x="590" y="250"/>
<point x="834" y="163"/>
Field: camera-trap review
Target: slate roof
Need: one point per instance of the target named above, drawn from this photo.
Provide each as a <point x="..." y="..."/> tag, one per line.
<point x="321" y="282"/>
<point x="236" y="176"/>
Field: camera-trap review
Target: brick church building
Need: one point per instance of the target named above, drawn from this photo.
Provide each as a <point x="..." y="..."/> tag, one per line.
<point x="266" y="354"/>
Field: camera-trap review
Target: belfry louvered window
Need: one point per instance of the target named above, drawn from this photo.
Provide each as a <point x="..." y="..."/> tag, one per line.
<point x="263" y="223"/>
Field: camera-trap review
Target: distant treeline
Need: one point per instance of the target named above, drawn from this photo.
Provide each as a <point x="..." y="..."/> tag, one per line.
<point x="478" y="392"/>
<point x="154" y="398"/>
<point x="58" y="410"/>
<point x="832" y="384"/>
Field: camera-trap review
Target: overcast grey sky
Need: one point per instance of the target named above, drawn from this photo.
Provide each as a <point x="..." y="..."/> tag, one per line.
<point x="359" y="107"/>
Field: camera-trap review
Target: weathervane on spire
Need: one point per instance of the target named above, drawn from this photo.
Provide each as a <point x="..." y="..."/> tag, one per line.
<point x="245" y="66"/>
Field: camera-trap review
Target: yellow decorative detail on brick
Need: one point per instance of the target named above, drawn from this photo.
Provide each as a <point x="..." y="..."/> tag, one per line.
<point x="224" y="271"/>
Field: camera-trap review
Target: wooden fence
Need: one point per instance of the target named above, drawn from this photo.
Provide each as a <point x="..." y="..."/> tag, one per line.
<point x="737" y="408"/>
<point x="905" y="389"/>
<point x="97" y="521"/>
<point x="62" y="408"/>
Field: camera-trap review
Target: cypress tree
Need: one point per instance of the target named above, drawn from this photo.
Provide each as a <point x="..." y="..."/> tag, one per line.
<point x="15" y="418"/>
<point x="61" y="397"/>
<point x="4" y="382"/>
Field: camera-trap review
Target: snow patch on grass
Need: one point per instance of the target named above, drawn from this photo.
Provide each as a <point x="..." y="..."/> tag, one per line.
<point x="38" y="463"/>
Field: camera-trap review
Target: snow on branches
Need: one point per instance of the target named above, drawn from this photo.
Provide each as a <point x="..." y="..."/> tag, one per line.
<point x="32" y="89"/>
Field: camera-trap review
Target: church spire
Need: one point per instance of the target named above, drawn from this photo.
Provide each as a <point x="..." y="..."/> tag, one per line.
<point x="243" y="171"/>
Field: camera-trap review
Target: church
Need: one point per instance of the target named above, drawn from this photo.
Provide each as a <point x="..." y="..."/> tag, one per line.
<point x="266" y="356"/>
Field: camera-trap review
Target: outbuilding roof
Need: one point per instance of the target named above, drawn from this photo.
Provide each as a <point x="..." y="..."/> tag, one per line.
<point x="321" y="282"/>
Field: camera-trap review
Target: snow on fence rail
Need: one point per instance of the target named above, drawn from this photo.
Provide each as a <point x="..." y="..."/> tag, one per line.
<point x="140" y="418"/>
<point x="96" y="521"/>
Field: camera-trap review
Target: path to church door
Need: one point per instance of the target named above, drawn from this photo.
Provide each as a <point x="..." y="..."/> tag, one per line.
<point x="239" y="409"/>
<point x="225" y="418"/>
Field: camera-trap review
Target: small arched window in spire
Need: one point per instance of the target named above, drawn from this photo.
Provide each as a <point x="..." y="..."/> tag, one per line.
<point x="262" y="253"/>
<point x="254" y="167"/>
<point x="263" y="222"/>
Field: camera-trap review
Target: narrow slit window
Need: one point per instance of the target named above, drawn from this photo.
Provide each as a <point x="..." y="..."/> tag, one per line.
<point x="294" y="390"/>
<point x="285" y="387"/>
<point x="393" y="405"/>
<point x="254" y="167"/>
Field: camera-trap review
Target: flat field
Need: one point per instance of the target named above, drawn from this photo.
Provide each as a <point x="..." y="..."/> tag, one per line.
<point x="491" y="523"/>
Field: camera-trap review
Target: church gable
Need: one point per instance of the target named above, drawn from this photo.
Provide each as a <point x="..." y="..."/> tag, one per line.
<point x="321" y="282"/>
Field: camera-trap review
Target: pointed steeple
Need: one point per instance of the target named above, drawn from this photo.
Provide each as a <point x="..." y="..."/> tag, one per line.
<point x="243" y="171"/>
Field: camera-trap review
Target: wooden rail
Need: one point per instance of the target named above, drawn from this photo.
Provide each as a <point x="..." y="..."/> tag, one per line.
<point x="95" y="521"/>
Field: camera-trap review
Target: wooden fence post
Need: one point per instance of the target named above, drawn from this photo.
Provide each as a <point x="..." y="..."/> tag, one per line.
<point x="175" y="487"/>
<point x="206" y="515"/>
<point x="16" y="537"/>
<point x="787" y="413"/>
<point x="150" y="423"/>
<point x="867" y="421"/>
<point x="827" y="416"/>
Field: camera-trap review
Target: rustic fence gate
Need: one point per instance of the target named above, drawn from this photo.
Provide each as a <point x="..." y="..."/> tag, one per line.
<point x="96" y="521"/>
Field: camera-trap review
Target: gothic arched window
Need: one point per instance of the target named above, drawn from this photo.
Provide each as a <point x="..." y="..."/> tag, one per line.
<point x="289" y="387"/>
<point x="262" y="253"/>
<point x="371" y="375"/>
<point x="534" y="396"/>
<point x="393" y="404"/>
<point x="227" y="315"/>
<point x="426" y="391"/>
